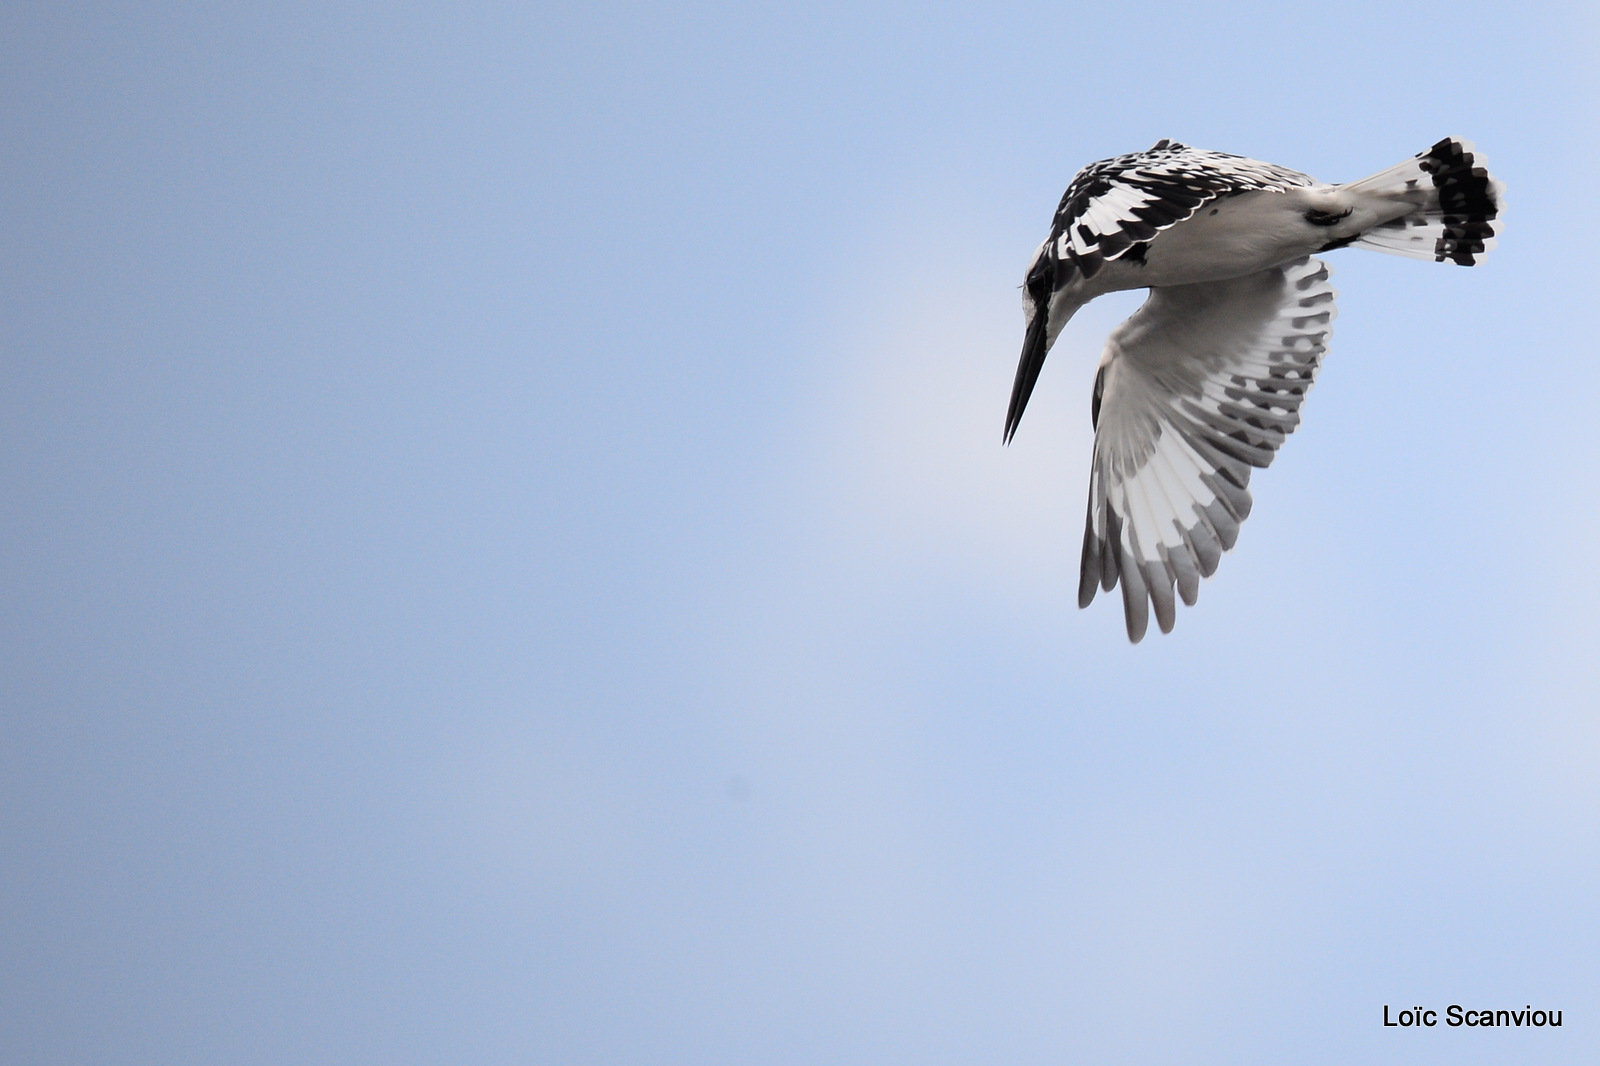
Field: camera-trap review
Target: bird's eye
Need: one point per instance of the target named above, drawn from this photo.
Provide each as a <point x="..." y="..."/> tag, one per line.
<point x="1041" y="279"/>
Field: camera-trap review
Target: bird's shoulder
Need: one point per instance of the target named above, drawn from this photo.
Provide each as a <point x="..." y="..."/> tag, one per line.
<point x="1171" y="170"/>
<point x="1113" y="204"/>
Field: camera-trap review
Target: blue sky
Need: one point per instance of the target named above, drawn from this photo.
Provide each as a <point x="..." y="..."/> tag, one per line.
<point x="508" y="555"/>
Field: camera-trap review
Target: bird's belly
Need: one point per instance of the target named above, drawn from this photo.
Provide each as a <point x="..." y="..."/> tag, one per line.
<point x="1228" y="238"/>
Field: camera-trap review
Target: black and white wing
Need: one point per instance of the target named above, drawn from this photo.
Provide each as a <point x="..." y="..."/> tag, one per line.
<point x="1202" y="383"/>
<point x="1114" y="205"/>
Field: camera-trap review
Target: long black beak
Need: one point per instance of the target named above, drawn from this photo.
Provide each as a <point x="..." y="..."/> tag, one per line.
<point x="1034" y="348"/>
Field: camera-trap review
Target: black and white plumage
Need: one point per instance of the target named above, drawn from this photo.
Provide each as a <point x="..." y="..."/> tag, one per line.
<point x="1207" y="378"/>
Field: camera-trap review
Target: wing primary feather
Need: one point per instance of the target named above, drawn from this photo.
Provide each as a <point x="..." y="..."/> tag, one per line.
<point x="1160" y="582"/>
<point x="1201" y="536"/>
<point x="1089" y="568"/>
<point x="1135" y="600"/>
<point x="1188" y="575"/>
<point x="1179" y="556"/>
<point x="1111" y="557"/>
<point x="1157" y="570"/>
<point x="1150" y="558"/>
<point x="1207" y="545"/>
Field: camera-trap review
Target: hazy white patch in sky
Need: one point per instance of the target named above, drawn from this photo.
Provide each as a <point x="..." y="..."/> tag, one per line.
<point x="907" y="463"/>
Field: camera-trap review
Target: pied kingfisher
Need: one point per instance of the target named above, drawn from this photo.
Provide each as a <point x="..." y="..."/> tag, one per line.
<point x="1206" y="379"/>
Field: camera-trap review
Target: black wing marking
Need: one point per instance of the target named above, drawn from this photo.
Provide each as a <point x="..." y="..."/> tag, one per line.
<point x="1115" y="205"/>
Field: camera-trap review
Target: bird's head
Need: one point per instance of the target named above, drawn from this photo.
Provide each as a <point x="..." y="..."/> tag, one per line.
<point x="1051" y="294"/>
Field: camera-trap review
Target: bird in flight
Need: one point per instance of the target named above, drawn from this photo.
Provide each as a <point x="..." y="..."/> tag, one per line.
<point x="1205" y="380"/>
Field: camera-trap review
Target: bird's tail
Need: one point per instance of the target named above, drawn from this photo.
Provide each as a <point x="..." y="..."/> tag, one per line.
<point x="1456" y="209"/>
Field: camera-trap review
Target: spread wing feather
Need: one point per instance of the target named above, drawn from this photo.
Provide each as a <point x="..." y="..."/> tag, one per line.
<point x="1202" y="384"/>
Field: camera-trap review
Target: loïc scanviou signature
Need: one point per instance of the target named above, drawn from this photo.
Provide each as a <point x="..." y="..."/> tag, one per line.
<point x="1455" y="1015"/>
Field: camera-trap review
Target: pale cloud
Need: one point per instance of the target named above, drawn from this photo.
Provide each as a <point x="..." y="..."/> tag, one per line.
<point x="907" y="462"/>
